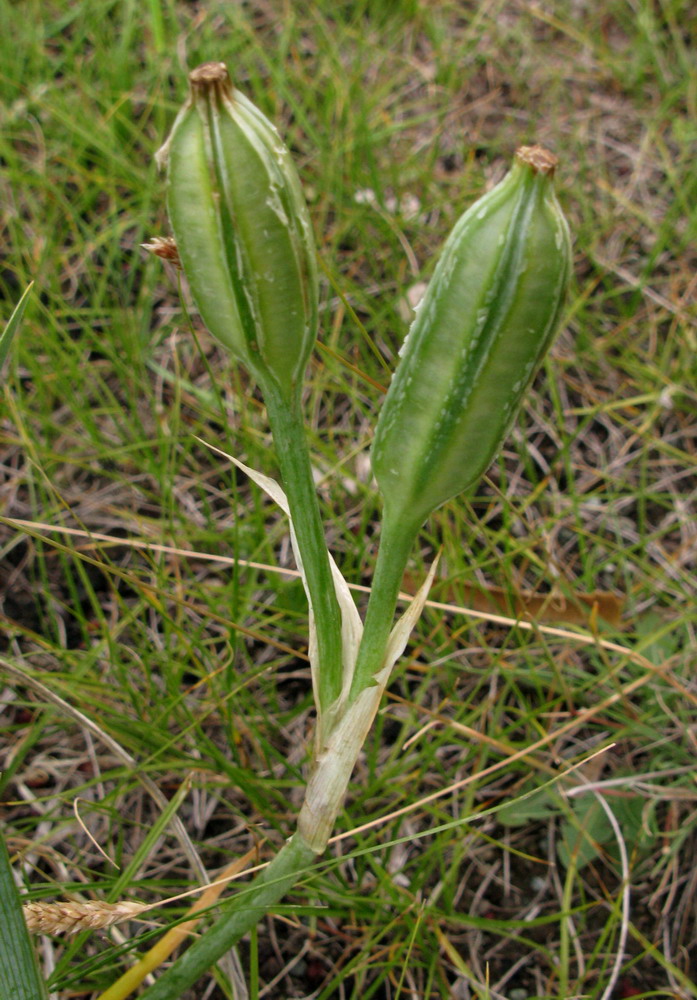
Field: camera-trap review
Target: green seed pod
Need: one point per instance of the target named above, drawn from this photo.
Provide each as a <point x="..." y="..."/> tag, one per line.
<point x="242" y="229"/>
<point x="488" y="316"/>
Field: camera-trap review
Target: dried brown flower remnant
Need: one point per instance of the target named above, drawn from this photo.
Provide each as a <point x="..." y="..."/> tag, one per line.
<point x="212" y="75"/>
<point x="537" y="157"/>
<point x="164" y="247"/>
<point x="71" y="918"/>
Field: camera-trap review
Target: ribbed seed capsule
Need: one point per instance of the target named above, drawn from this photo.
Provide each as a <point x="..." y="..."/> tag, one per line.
<point x="242" y="229"/>
<point x="488" y="316"/>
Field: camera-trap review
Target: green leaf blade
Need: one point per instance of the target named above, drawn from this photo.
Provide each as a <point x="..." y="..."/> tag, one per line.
<point x="20" y="978"/>
<point x="7" y="335"/>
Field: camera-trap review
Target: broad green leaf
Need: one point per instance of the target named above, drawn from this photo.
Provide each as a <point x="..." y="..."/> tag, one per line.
<point x="583" y="838"/>
<point x="537" y="805"/>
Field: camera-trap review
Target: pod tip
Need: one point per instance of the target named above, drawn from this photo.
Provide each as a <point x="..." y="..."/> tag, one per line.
<point x="209" y="72"/>
<point x="210" y="78"/>
<point x="537" y="157"/>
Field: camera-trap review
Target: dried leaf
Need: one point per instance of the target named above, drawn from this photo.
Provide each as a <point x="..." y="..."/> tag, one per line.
<point x="577" y="608"/>
<point x="399" y="636"/>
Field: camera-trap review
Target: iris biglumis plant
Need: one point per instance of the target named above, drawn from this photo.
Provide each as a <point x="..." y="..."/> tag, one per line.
<point x="490" y="313"/>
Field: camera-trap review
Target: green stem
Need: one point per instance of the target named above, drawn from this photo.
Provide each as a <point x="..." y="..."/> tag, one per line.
<point x="347" y="732"/>
<point x="296" y="856"/>
<point x="396" y="541"/>
<point x="247" y="908"/>
<point x="288" y="429"/>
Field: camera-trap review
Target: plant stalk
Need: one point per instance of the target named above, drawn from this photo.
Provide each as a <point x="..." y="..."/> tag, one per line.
<point x="288" y="429"/>
<point x="336" y="756"/>
<point x="396" y="542"/>
<point x="296" y="855"/>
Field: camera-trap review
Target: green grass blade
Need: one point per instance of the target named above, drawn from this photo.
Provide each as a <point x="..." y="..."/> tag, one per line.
<point x="269" y="887"/>
<point x="20" y="978"/>
<point x="13" y="325"/>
